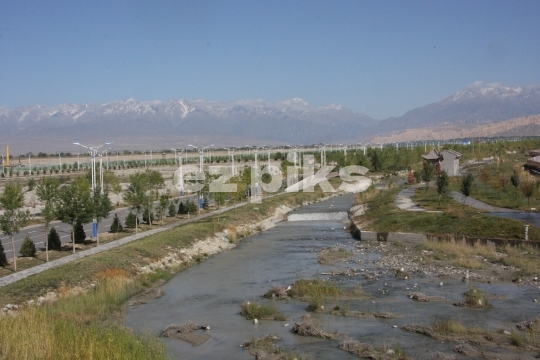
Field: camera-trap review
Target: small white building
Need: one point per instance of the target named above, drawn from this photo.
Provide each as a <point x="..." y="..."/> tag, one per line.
<point x="450" y="162"/>
<point x="447" y="160"/>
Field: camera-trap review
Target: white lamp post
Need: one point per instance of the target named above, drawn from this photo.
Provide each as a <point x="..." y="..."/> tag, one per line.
<point x="60" y="160"/>
<point x="3" y="170"/>
<point x="181" y="175"/>
<point x="175" y="161"/>
<point x="93" y="150"/>
<point x="201" y="154"/>
<point x="29" y="164"/>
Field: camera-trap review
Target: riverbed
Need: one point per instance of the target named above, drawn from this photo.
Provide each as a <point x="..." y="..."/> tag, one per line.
<point x="212" y="292"/>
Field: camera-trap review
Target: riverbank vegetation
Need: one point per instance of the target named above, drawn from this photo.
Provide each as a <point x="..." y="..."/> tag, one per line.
<point x="254" y="310"/>
<point x="74" y="326"/>
<point x="93" y="315"/>
<point x="454" y="220"/>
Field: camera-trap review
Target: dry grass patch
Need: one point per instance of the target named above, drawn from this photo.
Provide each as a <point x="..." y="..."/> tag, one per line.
<point x="74" y="327"/>
<point x="329" y="256"/>
<point x="525" y="258"/>
<point x="265" y="348"/>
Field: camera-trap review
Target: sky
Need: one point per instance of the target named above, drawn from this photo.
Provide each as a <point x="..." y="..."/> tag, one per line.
<point x="381" y="58"/>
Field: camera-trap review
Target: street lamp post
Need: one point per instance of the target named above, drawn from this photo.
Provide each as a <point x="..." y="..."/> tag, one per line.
<point x="29" y="164"/>
<point x="201" y="159"/>
<point x="201" y="154"/>
<point x="3" y="170"/>
<point x="93" y="151"/>
<point x="175" y="151"/>
<point x="181" y="174"/>
<point x="60" y="160"/>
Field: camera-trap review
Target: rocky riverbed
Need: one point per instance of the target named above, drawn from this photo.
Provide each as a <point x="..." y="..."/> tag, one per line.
<point x="416" y="287"/>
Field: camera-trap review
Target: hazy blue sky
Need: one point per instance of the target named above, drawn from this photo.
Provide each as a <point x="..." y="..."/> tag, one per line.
<point x="382" y="58"/>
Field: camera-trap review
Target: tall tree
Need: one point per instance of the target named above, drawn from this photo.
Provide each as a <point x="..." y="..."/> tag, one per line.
<point x="13" y="218"/>
<point x="163" y="206"/>
<point x="527" y="187"/>
<point x="75" y="204"/>
<point x="136" y="193"/>
<point x="466" y="186"/>
<point x="443" y="183"/>
<point x="155" y="181"/>
<point x="428" y="171"/>
<point x="47" y="192"/>
<point x="515" y="180"/>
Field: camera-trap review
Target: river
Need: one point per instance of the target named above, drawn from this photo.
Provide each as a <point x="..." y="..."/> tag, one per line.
<point x="211" y="293"/>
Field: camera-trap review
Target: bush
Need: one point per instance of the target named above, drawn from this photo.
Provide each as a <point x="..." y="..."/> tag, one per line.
<point x="3" y="259"/>
<point x="28" y="248"/>
<point x="191" y="207"/>
<point x="80" y="235"/>
<point x="182" y="208"/>
<point x="31" y="184"/>
<point x="131" y="220"/>
<point x="172" y="209"/>
<point x="53" y="240"/>
<point x="116" y="227"/>
<point x="145" y="217"/>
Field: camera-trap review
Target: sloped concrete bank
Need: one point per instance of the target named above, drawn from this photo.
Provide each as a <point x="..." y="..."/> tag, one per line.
<point x="173" y="260"/>
<point x="366" y="235"/>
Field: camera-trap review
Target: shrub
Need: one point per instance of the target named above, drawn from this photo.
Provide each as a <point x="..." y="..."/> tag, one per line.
<point x="182" y="208"/>
<point x="205" y="203"/>
<point x="3" y="260"/>
<point x="28" y="248"/>
<point x="191" y="207"/>
<point x="172" y="209"/>
<point x="53" y="240"/>
<point x="80" y="235"/>
<point x="31" y="184"/>
<point x="116" y="227"/>
<point x="253" y="310"/>
<point x="131" y="220"/>
<point x="474" y="297"/>
<point x="145" y="217"/>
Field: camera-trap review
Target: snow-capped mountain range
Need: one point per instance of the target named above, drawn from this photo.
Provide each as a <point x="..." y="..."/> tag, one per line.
<point x="133" y="122"/>
<point x="477" y="104"/>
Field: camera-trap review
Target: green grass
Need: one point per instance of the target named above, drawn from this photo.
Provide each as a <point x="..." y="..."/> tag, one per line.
<point x="384" y="216"/>
<point x="254" y="310"/>
<point x="508" y="197"/>
<point x="314" y="288"/>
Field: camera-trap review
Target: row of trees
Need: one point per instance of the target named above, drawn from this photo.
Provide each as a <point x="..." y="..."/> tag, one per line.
<point x="74" y="204"/>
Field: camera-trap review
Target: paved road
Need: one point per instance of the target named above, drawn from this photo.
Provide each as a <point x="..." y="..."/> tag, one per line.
<point x="403" y="200"/>
<point x="479" y="204"/>
<point x="38" y="235"/>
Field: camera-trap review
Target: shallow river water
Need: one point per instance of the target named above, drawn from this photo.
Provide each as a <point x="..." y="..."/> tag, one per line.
<point x="211" y="293"/>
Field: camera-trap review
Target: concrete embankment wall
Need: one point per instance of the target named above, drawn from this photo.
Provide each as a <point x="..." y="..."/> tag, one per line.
<point x="365" y="235"/>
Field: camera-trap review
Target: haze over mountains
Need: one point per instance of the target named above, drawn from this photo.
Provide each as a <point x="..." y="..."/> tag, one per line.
<point x="133" y="124"/>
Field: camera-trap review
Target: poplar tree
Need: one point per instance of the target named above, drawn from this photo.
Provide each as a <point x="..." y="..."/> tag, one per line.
<point x="13" y="218"/>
